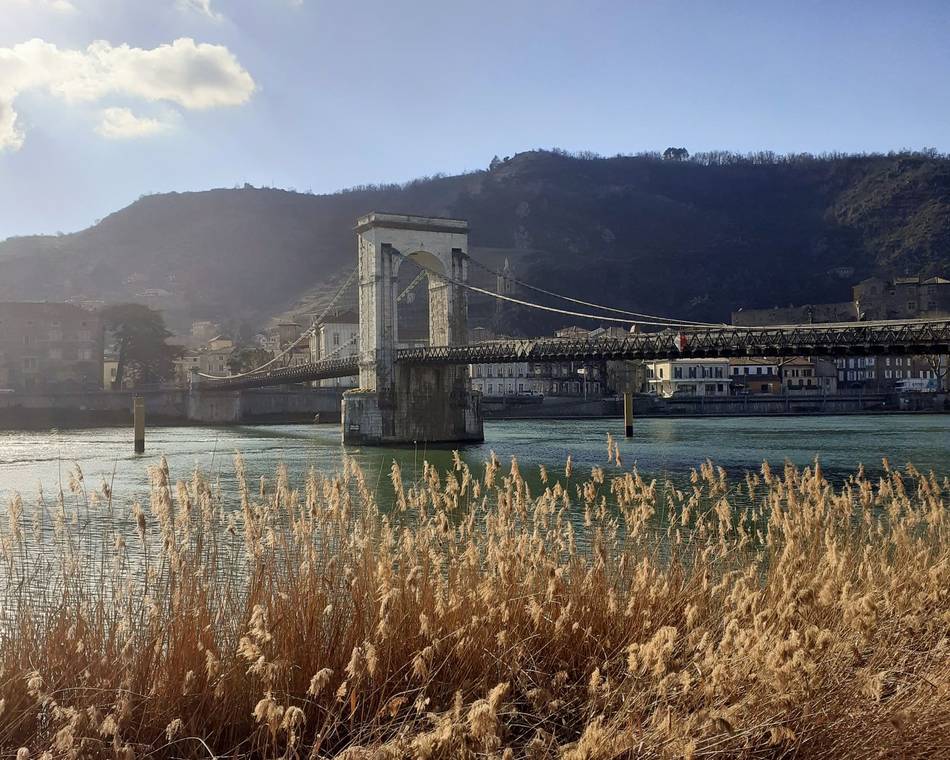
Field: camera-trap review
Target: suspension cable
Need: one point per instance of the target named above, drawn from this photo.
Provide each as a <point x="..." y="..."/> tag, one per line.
<point x="553" y="309"/>
<point x="412" y="285"/>
<point x="688" y="325"/>
<point x="524" y="284"/>
<point x="339" y="348"/>
<point x="310" y="331"/>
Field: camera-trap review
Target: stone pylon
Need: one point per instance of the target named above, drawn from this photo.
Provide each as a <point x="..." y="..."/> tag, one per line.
<point x="406" y="404"/>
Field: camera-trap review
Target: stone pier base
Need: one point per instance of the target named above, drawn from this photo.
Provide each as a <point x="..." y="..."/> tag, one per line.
<point x="428" y="405"/>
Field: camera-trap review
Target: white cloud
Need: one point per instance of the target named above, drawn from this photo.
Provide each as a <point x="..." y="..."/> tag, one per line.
<point x="199" y="6"/>
<point x="122" y="124"/>
<point x="11" y="138"/>
<point x="191" y="75"/>
<point x="58" y="6"/>
<point x="204" y="8"/>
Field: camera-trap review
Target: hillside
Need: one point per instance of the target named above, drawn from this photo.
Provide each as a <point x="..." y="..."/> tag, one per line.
<point x="695" y="239"/>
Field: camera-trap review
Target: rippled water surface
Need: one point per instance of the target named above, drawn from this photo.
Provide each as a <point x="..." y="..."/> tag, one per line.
<point x="660" y="447"/>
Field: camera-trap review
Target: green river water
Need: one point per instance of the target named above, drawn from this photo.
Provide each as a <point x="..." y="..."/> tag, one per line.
<point x="660" y="447"/>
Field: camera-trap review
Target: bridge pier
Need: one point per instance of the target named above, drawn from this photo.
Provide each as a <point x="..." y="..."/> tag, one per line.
<point x="430" y="404"/>
<point x="214" y="407"/>
<point x="404" y="403"/>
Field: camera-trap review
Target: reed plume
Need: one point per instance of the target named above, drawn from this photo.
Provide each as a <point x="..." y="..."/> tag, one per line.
<point x="481" y="616"/>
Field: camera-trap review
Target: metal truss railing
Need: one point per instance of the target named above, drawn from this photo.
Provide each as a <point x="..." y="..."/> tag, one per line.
<point x="857" y="339"/>
<point x="303" y="373"/>
<point x="807" y="340"/>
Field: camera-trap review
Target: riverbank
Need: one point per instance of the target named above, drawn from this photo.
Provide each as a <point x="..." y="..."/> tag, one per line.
<point x="171" y="406"/>
<point x="648" y="406"/>
<point x="175" y="406"/>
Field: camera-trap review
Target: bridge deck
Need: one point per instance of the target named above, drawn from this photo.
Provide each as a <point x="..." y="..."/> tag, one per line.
<point x="857" y="339"/>
<point x="303" y="373"/>
<point x="804" y="340"/>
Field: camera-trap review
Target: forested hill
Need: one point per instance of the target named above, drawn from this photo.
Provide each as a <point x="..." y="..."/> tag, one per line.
<point x="693" y="238"/>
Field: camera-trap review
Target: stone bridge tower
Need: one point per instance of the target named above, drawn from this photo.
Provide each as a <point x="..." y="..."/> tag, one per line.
<point x="398" y="403"/>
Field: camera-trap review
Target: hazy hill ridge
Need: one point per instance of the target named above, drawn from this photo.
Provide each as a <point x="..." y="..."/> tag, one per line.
<point x="694" y="238"/>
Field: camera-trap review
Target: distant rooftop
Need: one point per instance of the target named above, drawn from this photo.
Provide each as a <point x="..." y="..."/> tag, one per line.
<point x="347" y="317"/>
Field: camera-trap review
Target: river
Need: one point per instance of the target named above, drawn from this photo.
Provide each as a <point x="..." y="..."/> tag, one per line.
<point x="660" y="447"/>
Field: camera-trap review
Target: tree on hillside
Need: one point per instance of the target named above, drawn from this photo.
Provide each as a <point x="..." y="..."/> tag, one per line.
<point x="495" y="163"/>
<point x="140" y="335"/>
<point x="248" y="358"/>
<point x="675" y="154"/>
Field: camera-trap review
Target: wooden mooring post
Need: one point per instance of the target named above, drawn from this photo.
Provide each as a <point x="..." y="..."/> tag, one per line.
<point x="138" y="423"/>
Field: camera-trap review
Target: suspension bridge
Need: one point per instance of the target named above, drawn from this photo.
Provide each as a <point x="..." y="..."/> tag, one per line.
<point x="424" y="393"/>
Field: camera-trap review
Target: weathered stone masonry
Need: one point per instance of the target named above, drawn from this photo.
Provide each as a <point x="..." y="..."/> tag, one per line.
<point x="405" y="404"/>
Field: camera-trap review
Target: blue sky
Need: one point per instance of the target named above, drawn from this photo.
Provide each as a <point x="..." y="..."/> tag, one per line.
<point x="318" y="95"/>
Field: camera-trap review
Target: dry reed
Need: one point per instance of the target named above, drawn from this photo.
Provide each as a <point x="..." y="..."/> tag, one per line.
<point x="776" y="617"/>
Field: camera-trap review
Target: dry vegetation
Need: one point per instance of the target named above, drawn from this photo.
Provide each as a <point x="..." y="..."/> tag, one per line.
<point x="775" y="617"/>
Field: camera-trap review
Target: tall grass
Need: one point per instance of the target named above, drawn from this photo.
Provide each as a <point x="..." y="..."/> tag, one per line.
<point x="774" y="617"/>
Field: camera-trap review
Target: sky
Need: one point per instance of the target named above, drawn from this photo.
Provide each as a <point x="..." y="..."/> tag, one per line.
<point x="102" y="101"/>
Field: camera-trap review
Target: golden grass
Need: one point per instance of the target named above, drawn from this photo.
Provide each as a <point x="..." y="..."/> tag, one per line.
<point x="479" y="619"/>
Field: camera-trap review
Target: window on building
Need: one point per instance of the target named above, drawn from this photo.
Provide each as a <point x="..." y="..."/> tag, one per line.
<point x="678" y="372"/>
<point x="758" y="370"/>
<point x="336" y="339"/>
<point x="489" y="388"/>
<point x="29" y="362"/>
<point x="55" y="353"/>
<point x="489" y="374"/>
<point x="692" y="372"/>
<point x="520" y="387"/>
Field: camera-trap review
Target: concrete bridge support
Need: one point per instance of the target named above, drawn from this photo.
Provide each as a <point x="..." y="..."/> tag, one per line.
<point x="214" y="407"/>
<point x="405" y="404"/>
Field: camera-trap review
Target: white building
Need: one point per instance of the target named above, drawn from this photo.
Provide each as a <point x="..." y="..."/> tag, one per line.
<point x="689" y="377"/>
<point x="503" y="380"/>
<point x="336" y="340"/>
<point x="551" y="379"/>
